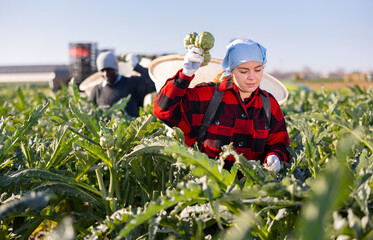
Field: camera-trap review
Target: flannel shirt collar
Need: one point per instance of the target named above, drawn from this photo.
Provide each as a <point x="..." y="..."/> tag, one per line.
<point x="226" y="84"/>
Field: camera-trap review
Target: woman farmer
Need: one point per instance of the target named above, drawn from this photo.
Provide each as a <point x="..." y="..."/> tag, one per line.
<point x="240" y="117"/>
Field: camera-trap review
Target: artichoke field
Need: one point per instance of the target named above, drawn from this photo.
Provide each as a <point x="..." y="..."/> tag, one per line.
<point x="69" y="170"/>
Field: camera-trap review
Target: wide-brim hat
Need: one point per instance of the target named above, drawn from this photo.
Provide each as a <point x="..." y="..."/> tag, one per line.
<point x="124" y="69"/>
<point x="164" y="67"/>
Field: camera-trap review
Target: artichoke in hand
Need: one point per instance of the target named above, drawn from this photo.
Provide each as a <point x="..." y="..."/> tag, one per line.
<point x="204" y="40"/>
<point x="189" y="39"/>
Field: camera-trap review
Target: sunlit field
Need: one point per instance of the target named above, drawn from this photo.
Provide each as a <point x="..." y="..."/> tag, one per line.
<point x="68" y="168"/>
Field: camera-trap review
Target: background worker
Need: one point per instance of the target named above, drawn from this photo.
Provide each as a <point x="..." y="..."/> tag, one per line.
<point x="115" y="86"/>
<point x="240" y="117"/>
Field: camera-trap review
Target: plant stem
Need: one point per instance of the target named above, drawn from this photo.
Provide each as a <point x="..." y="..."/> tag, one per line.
<point x="114" y="181"/>
<point x="102" y="188"/>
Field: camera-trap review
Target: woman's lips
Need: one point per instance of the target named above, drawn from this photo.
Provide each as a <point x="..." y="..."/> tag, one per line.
<point x="251" y="84"/>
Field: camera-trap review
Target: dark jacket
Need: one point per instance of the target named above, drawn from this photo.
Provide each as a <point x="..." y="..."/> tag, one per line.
<point x="137" y="86"/>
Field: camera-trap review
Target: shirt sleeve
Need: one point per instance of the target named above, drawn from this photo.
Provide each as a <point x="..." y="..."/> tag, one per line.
<point x="168" y="101"/>
<point x="148" y="85"/>
<point x="179" y="106"/>
<point x="278" y="138"/>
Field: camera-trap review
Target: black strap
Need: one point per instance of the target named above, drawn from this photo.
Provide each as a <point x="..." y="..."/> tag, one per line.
<point x="213" y="107"/>
<point x="267" y="108"/>
<point x="210" y="113"/>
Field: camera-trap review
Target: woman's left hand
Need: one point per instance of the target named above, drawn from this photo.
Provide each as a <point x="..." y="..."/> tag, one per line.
<point x="273" y="163"/>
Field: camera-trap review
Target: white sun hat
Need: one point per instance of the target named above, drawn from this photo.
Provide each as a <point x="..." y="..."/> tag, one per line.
<point x="124" y="69"/>
<point x="164" y="67"/>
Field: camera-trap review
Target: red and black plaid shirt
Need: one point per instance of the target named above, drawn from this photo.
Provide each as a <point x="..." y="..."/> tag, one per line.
<point x="239" y="121"/>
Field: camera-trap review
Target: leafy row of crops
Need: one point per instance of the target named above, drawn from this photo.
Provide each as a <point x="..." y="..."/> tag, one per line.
<point x="68" y="170"/>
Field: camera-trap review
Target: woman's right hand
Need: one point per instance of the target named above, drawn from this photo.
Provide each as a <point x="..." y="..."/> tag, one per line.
<point x="192" y="60"/>
<point x="272" y="163"/>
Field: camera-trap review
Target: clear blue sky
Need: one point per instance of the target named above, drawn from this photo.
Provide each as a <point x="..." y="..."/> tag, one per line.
<point x="324" y="35"/>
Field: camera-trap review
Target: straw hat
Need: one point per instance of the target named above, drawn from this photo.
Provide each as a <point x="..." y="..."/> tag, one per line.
<point x="124" y="69"/>
<point x="164" y="67"/>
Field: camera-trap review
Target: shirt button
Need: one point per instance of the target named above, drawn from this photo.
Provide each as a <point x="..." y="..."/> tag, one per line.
<point x="240" y="144"/>
<point x="243" y="115"/>
<point x="217" y="122"/>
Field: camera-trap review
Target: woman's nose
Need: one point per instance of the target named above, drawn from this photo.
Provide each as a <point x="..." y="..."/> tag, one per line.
<point x="251" y="75"/>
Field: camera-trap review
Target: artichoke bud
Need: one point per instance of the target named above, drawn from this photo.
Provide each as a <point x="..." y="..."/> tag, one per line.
<point x="107" y="141"/>
<point x="207" y="58"/>
<point x="205" y="40"/>
<point x="189" y="39"/>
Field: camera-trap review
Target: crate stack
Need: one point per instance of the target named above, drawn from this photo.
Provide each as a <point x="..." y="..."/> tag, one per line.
<point x="82" y="60"/>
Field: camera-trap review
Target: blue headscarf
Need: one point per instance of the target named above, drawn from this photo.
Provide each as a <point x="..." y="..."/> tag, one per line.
<point x="240" y="51"/>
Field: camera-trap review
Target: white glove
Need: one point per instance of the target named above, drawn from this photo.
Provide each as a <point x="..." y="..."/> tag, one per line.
<point x="132" y="58"/>
<point x="273" y="163"/>
<point x="192" y="60"/>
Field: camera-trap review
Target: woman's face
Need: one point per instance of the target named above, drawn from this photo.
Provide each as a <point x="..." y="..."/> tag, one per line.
<point x="247" y="77"/>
